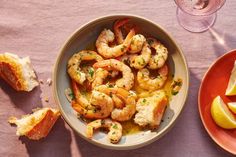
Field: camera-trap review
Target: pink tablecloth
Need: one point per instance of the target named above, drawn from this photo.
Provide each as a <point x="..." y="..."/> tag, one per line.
<point x="39" y="28"/>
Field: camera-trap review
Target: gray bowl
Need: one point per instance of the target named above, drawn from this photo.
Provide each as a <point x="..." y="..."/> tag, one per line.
<point x="86" y="35"/>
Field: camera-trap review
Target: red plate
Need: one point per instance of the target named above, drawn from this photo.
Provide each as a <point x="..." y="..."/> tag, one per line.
<point x="215" y="83"/>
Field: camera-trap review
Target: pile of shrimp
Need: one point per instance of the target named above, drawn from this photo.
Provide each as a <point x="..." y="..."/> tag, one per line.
<point x="123" y="57"/>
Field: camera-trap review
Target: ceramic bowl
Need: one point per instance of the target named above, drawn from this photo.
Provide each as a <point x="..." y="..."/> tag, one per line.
<point x="86" y="35"/>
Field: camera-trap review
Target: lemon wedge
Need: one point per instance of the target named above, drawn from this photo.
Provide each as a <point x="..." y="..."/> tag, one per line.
<point x="221" y="114"/>
<point x="232" y="106"/>
<point x="231" y="89"/>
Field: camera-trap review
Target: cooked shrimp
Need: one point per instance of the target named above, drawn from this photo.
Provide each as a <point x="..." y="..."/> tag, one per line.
<point x="100" y="76"/>
<point x="147" y="83"/>
<point x="99" y="106"/>
<point x="127" y="81"/>
<point x="157" y="60"/>
<point x="129" y="98"/>
<point x="136" y="44"/>
<point x="140" y="61"/>
<point x="118" y="103"/>
<point x="89" y="72"/>
<point x="73" y="67"/>
<point x="137" y="41"/>
<point x="107" y="36"/>
<point x="115" y="129"/>
<point x="117" y="30"/>
<point x="79" y="98"/>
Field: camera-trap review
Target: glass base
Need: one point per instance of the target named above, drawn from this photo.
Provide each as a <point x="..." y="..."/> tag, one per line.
<point x="195" y="23"/>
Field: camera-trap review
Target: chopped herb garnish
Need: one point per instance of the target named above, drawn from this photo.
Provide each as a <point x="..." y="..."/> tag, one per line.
<point x="91" y="71"/>
<point x="150" y="41"/>
<point x="115" y="126"/>
<point x="102" y="122"/>
<point x="83" y="92"/>
<point x="178" y="83"/>
<point x="143" y="60"/>
<point x="123" y="48"/>
<point x="94" y="110"/>
<point x="174" y="92"/>
<point x="72" y="96"/>
<point x="109" y="77"/>
<point x="110" y="85"/>
<point x="144" y="100"/>
<point x="78" y="73"/>
<point x="126" y="61"/>
<point x="142" y="75"/>
<point x="83" y="65"/>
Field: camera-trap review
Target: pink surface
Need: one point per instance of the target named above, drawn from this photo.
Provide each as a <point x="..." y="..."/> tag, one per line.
<point x="39" y="28"/>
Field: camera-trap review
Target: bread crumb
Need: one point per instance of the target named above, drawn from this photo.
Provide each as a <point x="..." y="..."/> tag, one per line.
<point x="46" y="99"/>
<point x="12" y="120"/>
<point x="41" y="81"/>
<point x="49" y="81"/>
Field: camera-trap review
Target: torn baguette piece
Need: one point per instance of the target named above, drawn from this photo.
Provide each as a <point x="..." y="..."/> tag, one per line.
<point x="17" y="72"/>
<point x="150" y="110"/>
<point x="36" y="125"/>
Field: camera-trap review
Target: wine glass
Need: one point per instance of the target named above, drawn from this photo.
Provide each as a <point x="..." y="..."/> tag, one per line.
<point x="197" y="15"/>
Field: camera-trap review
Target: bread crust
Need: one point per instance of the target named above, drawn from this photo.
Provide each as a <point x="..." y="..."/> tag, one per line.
<point x="11" y="70"/>
<point x="41" y="128"/>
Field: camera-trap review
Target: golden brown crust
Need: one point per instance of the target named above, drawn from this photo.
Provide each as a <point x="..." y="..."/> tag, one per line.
<point x="42" y="128"/>
<point x="159" y="111"/>
<point x="11" y="72"/>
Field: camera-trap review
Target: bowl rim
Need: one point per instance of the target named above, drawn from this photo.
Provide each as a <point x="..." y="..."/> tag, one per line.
<point x="199" y="99"/>
<point x="112" y="146"/>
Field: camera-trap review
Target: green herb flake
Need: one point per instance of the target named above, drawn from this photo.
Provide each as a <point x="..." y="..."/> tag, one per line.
<point x="174" y="92"/>
<point x="78" y="73"/>
<point x="94" y="110"/>
<point x="115" y="126"/>
<point x="142" y="75"/>
<point x="144" y="100"/>
<point x="102" y="122"/>
<point x="150" y="41"/>
<point x="110" y="85"/>
<point x="126" y="61"/>
<point x="123" y="48"/>
<point x="91" y="72"/>
<point x="72" y="96"/>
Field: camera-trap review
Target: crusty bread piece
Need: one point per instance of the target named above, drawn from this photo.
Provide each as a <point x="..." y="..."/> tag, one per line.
<point x="151" y="109"/>
<point x="17" y="72"/>
<point x="36" y="125"/>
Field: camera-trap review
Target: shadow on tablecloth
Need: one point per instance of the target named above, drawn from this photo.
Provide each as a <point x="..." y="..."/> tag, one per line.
<point x="26" y="101"/>
<point x="223" y="41"/>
